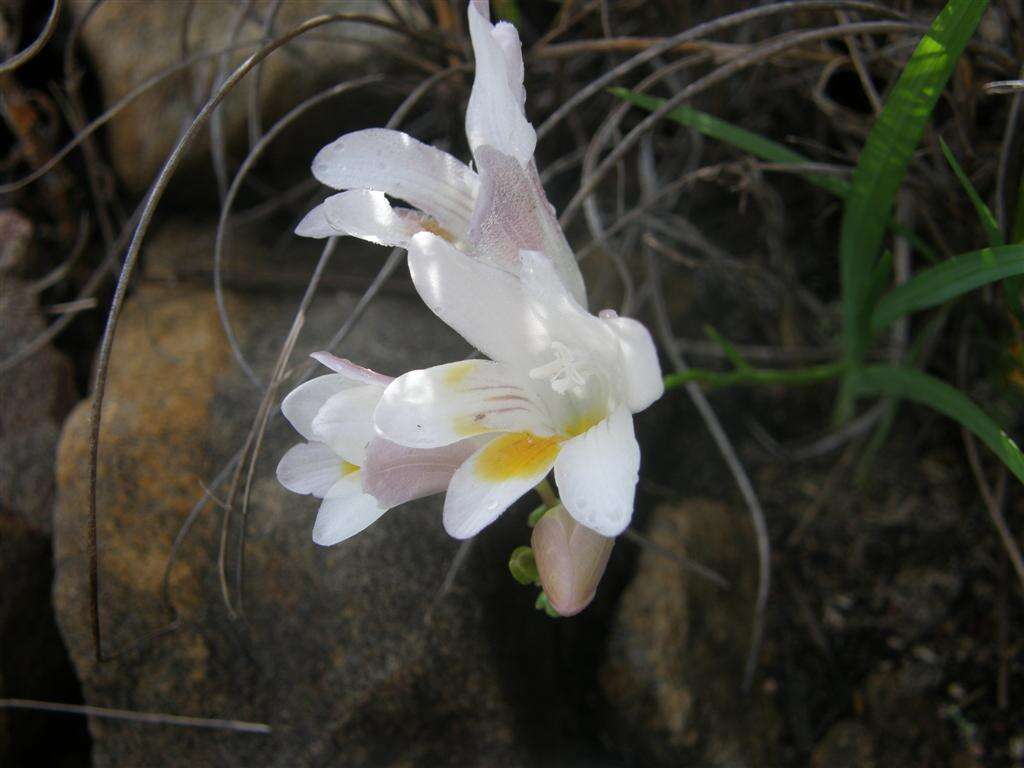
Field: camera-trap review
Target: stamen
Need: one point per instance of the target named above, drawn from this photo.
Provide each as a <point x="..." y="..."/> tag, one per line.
<point x="566" y="373"/>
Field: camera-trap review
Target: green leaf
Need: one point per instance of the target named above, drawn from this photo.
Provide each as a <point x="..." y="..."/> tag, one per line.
<point x="948" y="280"/>
<point x="759" y="146"/>
<point x="995" y="237"/>
<point x="523" y="566"/>
<point x="948" y="400"/>
<point x="883" y="164"/>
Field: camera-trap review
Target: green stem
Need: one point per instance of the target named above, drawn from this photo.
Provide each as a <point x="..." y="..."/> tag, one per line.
<point x="756" y="376"/>
<point x="546" y="493"/>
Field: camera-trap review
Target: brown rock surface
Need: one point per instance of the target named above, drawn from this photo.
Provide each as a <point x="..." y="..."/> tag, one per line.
<point x="678" y="646"/>
<point x="334" y="652"/>
<point x="35" y="396"/>
<point x="127" y="42"/>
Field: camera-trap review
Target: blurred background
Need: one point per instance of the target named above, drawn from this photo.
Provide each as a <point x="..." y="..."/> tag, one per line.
<point x="891" y="631"/>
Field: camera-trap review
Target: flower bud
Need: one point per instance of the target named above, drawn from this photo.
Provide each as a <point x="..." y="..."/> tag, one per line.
<point x="570" y="558"/>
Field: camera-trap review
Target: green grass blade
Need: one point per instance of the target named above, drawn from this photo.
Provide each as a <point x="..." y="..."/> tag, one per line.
<point x="995" y="237"/>
<point x="948" y="280"/>
<point x="883" y="164"/>
<point x="748" y="141"/>
<point x="914" y="385"/>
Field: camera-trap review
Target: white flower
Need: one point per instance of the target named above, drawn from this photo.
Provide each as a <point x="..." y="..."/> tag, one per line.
<point x="492" y="213"/>
<point x="487" y="255"/>
<point x="558" y="392"/>
<point x="333" y="413"/>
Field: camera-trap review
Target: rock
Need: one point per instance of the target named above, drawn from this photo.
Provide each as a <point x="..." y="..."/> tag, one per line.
<point x="334" y="652"/>
<point x="848" y="744"/>
<point x="15" y="242"/>
<point x="34" y="663"/>
<point x="127" y="43"/>
<point x="678" y="646"/>
<point x="35" y="396"/>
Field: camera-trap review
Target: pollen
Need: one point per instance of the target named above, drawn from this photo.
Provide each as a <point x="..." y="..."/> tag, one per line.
<point x="515" y="455"/>
<point x="431" y="225"/>
<point x="457" y="373"/>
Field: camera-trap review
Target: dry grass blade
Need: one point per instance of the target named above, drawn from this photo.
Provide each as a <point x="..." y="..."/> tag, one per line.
<point x="15" y="61"/>
<point x="151" y="718"/>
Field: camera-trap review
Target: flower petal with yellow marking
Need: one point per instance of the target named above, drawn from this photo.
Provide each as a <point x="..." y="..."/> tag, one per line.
<point x="493" y="478"/>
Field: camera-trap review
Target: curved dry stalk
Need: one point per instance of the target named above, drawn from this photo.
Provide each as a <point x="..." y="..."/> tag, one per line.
<point x="232" y="192"/>
<point x="153" y="718"/>
<point x="663" y="325"/>
<point x="164" y="74"/>
<point x="762" y="52"/>
<point x="128" y="268"/>
<point x="15" y="61"/>
<point x="701" y="30"/>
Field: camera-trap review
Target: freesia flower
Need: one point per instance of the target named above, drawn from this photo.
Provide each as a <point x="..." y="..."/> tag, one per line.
<point x="570" y="559"/>
<point x="558" y="392"/>
<point x="334" y="414"/>
<point x="488" y="257"/>
<point x="491" y="213"/>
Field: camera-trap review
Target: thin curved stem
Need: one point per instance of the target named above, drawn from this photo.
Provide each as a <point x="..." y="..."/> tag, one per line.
<point x="49" y="28"/>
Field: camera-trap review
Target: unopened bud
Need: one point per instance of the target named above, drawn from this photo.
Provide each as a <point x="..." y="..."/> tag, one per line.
<point x="570" y="559"/>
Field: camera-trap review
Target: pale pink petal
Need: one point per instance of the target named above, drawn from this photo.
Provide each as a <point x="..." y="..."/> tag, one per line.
<point x="345" y="421"/>
<point x="447" y="403"/>
<point x="485" y="305"/>
<point x="363" y="214"/>
<point x="571" y="559"/>
<point x="394" y="163"/>
<point x="596" y="474"/>
<point x="309" y="468"/>
<point x="315" y="224"/>
<point x="494" y="116"/>
<point x="345" y="511"/>
<point x="641" y="369"/>
<point x="394" y="474"/>
<point x="302" y="403"/>
<point x="357" y="374"/>
<point x="512" y="214"/>
<point x="493" y="478"/>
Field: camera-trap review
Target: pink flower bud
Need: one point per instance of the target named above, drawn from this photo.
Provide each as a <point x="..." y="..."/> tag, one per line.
<point x="571" y="560"/>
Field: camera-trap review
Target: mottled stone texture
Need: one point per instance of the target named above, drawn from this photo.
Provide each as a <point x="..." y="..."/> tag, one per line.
<point x="335" y="651"/>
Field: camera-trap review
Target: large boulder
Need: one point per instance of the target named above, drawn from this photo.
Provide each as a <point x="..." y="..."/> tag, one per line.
<point x="673" y="674"/>
<point x="35" y="395"/>
<point x="127" y="43"/>
<point x="335" y="650"/>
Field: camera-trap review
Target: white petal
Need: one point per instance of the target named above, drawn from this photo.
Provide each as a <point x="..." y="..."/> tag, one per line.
<point x="641" y="369"/>
<point x="512" y="214"/>
<point x="447" y="403"/>
<point x="345" y="511"/>
<point x="493" y="478"/>
<point x="394" y="474"/>
<point x="309" y="468"/>
<point x="345" y="421"/>
<point x="495" y="114"/>
<point x="369" y="216"/>
<point x="315" y="224"/>
<point x="596" y="474"/>
<point x="302" y="403"/>
<point x="354" y="373"/>
<point x="389" y="161"/>
<point x="563" y="318"/>
<point x="482" y="303"/>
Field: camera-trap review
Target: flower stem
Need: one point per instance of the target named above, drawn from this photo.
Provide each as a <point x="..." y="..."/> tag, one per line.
<point x="750" y="375"/>
<point x="546" y="493"/>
